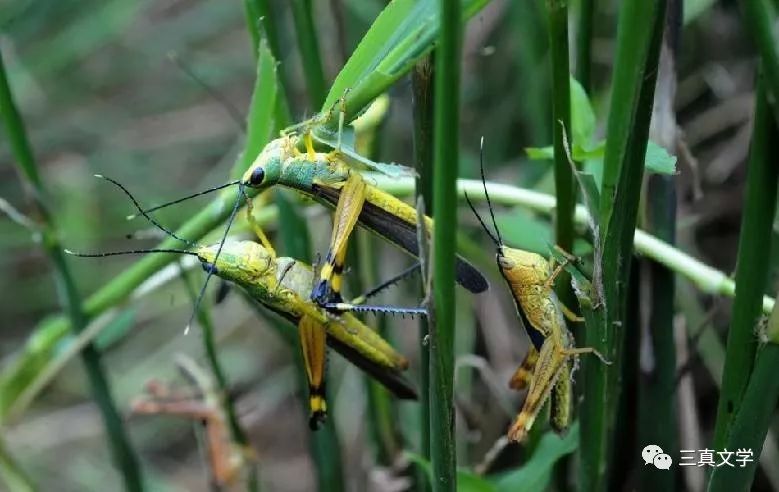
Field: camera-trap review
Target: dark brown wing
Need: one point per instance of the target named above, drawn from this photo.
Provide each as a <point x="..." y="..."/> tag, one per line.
<point x="403" y="234"/>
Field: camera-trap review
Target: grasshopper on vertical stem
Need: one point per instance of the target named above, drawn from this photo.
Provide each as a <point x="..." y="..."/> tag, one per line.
<point x="547" y="367"/>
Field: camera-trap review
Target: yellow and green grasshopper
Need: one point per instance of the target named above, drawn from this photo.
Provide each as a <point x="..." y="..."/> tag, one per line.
<point x="547" y="367"/>
<point x="329" y="180"/>
<point x="283" y="285"/>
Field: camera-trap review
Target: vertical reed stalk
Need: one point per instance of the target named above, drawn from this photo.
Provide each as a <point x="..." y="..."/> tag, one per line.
<point x="121" y="448"/>
<point x="445" y="166"/>
<point x="635" y="72"/>
<point x="751" y="270"/>
<point x="422" y="82"/>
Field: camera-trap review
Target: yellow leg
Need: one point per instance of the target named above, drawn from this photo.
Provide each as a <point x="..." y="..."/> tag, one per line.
<point x="256" y="227"/>
<point x="310" y="146"/>
<point x="569" y="314"/>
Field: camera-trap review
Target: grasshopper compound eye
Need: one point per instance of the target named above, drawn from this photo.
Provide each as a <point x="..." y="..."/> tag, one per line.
<point x="257" y="176"/>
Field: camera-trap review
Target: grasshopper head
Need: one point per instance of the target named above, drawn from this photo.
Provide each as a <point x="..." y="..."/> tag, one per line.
<point x="266" y="168"/>
<point x="523" y="266"/>
<point x="239" y="261"/>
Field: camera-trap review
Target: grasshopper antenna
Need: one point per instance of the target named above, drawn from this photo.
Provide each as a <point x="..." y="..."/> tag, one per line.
<point x="230" y="109"/>
<point x="497" y="239"/>
<point x="211" y="269"/>
<point x="185" y="198"/>
<point x="131" y="252"/>
<point x="142" y="212"/>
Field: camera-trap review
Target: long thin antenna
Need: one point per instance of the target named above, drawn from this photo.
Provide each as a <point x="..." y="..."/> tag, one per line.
<point x="138" y="206"/>
<point x="185" y="198"/>
<point x="230" y="109"/>
<point x="481" y="221"/>
<point x="131" y="252"/>
<point x="212" y="267"/>
<point x="484" y="185"/>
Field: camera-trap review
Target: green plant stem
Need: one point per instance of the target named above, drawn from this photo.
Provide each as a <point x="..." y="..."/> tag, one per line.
<point x="759" y="20"/>
<point x="313" y="72"/>
<point x="584" y="44"/>
<point x="220" y="376"/>
<point x="445" y="167"/>
<point x="561" y="128"/>
<point x="753" y="420"/>
<point x="751" y="272"/>
<point x="635" y="73"/>
<point x="121" y="448"/>
<point x="422" y="83"/>
<point x="13" y="474"/>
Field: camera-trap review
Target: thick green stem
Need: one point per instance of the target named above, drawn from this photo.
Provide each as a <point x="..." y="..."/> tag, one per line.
<point x="422" y="83"/>
<point x="561" y="129"/>
<point x="760" y="19"/>
<point x="445" y="167"/>
<point x="313" y="72"/>
<point x="753" y="420"/>
<point x="635" y="72"/>
<point x="121" y="448"/>
<point x="751" y="272"/>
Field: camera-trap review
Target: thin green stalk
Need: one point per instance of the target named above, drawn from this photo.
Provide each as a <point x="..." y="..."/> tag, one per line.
<point x="584" y="44"/>
<point x="422" y="83"/>
<point x="313" y="72"/>
<point x="445" y="166"/>
<point x="561" y="129"/>
<point x="753" y="420"/>
<point x="759" y="20"/>
<point x="13" y="475"/>
<point x="220" y="376"/>
<point x="121" y="448"/>
<point x="635" y="73"/>
<point x="751" y="272"/>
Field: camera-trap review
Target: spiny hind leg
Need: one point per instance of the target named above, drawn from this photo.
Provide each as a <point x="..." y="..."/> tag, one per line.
<point x="547" y="370"/>
<point x="348" y="210"/>
<point x="312" y="343"/>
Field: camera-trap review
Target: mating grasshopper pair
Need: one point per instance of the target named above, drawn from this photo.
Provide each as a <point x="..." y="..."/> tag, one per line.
<point x="283" y="285"/>
<point x="547" y="367"/>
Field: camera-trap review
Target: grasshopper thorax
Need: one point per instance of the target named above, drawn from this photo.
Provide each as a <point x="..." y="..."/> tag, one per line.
<point x="523" y="267"/>
<point x="238" y="261"/>
<point x="266" y="169"/>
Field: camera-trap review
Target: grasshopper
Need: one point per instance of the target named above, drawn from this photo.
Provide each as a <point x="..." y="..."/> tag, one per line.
<point x="329" y="180"/>
<point x="283" y="285"/>
<point x="546" y="369"/>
